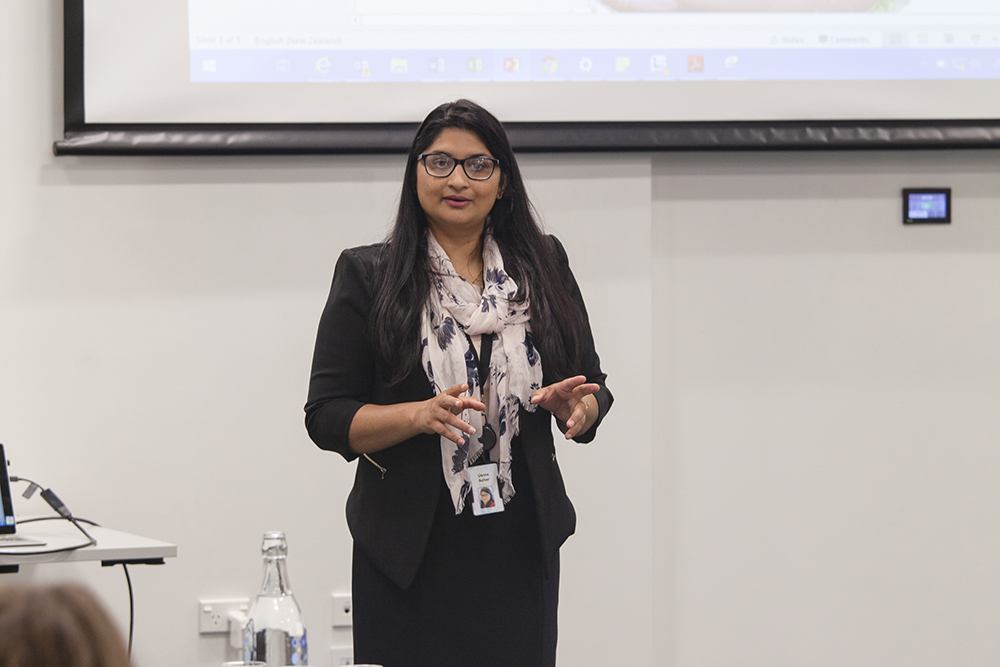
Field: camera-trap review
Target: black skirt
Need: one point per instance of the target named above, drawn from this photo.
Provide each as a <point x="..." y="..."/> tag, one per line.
<point x="483" y="596"/>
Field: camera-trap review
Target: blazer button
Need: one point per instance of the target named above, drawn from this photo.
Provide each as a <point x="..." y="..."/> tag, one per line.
<point x="553" y="456"/>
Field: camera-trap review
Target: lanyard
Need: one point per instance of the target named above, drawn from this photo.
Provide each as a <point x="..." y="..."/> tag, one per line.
<point x="489" y="438"/>
<point x="485" y="474"/>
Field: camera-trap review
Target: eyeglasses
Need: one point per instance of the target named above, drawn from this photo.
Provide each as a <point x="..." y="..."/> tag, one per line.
<point x="440" y="165"/>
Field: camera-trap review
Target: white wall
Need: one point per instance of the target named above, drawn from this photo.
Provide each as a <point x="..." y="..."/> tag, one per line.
<point x="831" y="384"/>
<point x="810" y="478"/>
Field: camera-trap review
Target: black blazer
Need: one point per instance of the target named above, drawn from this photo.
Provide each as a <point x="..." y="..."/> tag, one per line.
<point x="390" y="515"/>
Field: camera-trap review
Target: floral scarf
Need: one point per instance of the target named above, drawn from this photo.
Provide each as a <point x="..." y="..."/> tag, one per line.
<point x="455" y="311"/>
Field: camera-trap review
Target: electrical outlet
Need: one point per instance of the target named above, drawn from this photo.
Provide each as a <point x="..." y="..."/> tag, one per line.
<point x="343" y="611"/>
<point x="213" y="615"/>
<point x="342" y="655"/>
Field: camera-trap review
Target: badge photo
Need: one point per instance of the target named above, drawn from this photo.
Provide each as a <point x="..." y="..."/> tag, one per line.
<point x="485" y="490"/>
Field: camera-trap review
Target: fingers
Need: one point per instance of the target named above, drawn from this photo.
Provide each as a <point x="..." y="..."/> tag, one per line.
<point x="563" y="399"/>
<point x="540" y="395"/>
<point x="586" y="390"/>
<point x="573" y="382"/>
<point x="571" y="389"/>
<point x="441" y="428"/>
<point x="444" y="416"/>
<point x="448" y="405"/>
<point x="469" y="403"/>
<point x="456" y="389"/>
<point x="461" y="402"/>
<point x="578" y="384"/>
<point x="563" y="388"/>
<point x="578" y="417"/>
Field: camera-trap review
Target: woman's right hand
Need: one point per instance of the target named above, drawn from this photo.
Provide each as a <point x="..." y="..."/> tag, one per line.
<point x="376" y="427"/>
<point x="437" y="414"/>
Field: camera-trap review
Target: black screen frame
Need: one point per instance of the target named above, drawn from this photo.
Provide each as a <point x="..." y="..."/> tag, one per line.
<point x="83" y="138"/>
<point x="5" y="498"/>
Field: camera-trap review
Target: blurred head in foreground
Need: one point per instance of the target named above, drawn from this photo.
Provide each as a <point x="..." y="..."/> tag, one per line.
<point x="56" y="626"/>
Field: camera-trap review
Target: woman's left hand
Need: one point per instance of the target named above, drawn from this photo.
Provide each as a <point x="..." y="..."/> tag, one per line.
<point x="567" y="401"/>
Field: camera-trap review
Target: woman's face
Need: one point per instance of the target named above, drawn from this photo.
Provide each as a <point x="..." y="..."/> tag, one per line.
<point x="457" y="203"/>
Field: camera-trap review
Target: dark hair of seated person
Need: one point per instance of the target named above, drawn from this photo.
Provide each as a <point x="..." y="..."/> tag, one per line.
<point x="60" y="625"/>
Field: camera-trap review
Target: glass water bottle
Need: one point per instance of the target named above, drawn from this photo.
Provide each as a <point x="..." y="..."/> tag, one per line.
<point x="274" y="633"/>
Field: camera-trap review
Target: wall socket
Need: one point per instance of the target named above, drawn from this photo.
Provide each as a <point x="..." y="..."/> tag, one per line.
<point x="343" y="611"/>
<point x="213" y="615"/>
<point x="341" y="655"/>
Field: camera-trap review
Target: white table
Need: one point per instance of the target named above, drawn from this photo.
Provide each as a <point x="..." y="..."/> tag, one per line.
<point x="113" y="546"/>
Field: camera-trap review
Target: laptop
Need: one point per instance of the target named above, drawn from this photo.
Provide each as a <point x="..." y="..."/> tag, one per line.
<point x="8" y="527"/>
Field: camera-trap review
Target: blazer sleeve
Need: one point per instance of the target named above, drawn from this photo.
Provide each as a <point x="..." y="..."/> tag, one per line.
<point x="344" y="368"/>
<point x="591" y="361"/>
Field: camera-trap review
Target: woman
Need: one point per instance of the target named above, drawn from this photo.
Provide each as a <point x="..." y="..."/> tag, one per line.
<point x="56" y="626"/>
<point x="441" y="356"/>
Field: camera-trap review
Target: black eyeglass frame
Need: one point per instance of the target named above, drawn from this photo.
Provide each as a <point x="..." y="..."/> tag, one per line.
<point x="496" y="162"/>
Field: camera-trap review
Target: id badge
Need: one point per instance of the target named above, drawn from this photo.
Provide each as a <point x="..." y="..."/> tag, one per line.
<point x="485" y="489"/>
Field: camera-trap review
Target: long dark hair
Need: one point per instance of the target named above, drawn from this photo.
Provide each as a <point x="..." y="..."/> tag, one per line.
<point x="402" y="279"/>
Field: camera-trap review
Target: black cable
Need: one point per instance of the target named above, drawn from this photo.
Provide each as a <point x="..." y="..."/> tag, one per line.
<point x="89" y="543"/>
<point x="55" y="518"/>
<point x="31" y="489"/>
<point x="55" y="503"/>
<point x="53" y="500"/>
<point x="81" y="529"/>
<point x="131" y="610"/>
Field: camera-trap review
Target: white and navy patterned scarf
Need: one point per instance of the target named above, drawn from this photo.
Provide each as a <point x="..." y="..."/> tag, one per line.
<point x="456" y="305"/>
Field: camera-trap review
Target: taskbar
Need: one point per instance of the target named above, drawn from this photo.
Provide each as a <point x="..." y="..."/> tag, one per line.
<point x="640" y="65"/>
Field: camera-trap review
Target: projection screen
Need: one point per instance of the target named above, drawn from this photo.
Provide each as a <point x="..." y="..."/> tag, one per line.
<point x="356" y="75"/>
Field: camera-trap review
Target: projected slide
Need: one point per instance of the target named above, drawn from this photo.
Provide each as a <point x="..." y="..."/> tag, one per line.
<point x="540" y="61"/>
<point x="528" y="41"/>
